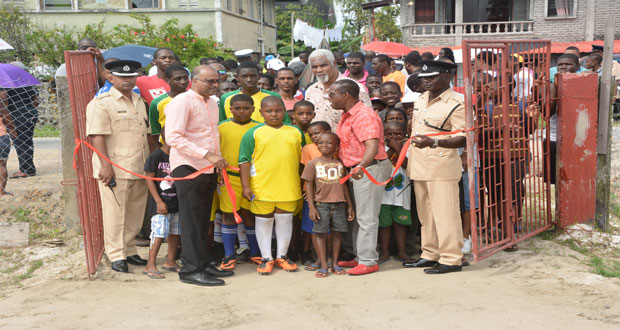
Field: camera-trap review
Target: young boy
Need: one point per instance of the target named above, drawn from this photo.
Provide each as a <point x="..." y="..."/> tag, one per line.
<point x="390" y="95"/>
<point x="164" y="224"/>
<point x="231" y="133"/>
<point x="269" y="167"/>
<point x="329" y="202"/>
<point x="308" y="153"/>
<point x="303" y="113"/>
<point x="396" y="204"/>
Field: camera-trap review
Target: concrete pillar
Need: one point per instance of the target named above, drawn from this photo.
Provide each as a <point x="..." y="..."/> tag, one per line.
<point x="67" y="141"/>
<point x="458" y="19"/>
<point x="589" y="20"/>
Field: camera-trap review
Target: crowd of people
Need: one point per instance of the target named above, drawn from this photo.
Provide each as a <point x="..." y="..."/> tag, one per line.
<point x="248" y="165"/>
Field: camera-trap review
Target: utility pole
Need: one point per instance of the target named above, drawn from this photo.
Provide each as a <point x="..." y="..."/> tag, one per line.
<point x="603" y="167"/>
<point x="292" y="37"/>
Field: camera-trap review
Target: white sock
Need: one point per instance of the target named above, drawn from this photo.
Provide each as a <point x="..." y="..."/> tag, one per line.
<point x="263" y="236"/>
<point x="243" y="237"/>
<point x="284" y="231"/>
<point x="217" y="228"/>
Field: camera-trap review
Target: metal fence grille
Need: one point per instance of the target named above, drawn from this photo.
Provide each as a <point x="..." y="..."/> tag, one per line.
<point x="507" y="98"/>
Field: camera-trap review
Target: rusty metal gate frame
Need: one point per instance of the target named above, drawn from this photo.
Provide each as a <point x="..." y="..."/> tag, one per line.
<point x="82" y="80"/>
<point x="528" y="225"/>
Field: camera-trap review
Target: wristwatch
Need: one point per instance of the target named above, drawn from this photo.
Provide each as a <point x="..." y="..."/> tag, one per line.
<point x="435" y="144"/>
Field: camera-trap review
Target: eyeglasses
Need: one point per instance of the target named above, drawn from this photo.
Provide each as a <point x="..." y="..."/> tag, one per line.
<point x="209" y="81"/>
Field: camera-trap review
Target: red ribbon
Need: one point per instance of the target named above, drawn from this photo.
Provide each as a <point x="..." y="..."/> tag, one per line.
<point x="401" y="159"/>
<point x="229" y="188"/>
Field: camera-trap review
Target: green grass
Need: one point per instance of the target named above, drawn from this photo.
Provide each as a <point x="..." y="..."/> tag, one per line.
<point x="30" y="271"/>
<point x="605" y="267"/>
<point x="40" y="227"/>
<point x="46" y="130"/>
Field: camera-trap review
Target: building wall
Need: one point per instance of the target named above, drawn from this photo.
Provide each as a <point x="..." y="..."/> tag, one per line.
<point x="556" y="29"/>
<point x="229" y="28"/>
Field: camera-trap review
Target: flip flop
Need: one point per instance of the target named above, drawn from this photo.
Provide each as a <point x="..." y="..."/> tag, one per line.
<point x="321" y="273"/>
<point x="153" y="275"/>
<point x="171" y="269"/>
<point x="312" y="267"/>
<point x="18" y="175"/>
<point x="337" y="270"/>
<point x="381" y="260"/>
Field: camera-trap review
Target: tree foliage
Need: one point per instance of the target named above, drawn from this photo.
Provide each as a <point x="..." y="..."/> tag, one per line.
<point x="358" y="20"/>
<point x="13" y="23"/>
<point x="308" y="13"/>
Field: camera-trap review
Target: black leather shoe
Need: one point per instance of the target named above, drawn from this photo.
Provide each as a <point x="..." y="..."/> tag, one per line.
<point x="420" y="263"/>
<point x="199" y="278"/>
<point x="120" y="266"/>
<point x="212" y="271"/>
<point x="136" y="260"/>
<point x="442" y="269"/>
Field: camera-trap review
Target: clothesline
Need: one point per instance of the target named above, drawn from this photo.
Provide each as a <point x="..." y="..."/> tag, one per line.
<point x="312" y="36"/>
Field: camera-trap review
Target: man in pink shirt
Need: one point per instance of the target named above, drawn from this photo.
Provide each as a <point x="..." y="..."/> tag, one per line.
<point x="192" y="133"/>
<point x="361" y="146"/>
<point x="355" y="68"/>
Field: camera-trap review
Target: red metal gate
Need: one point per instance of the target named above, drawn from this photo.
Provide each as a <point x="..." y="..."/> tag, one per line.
<point x="576" y="145"/>
<point x="82" y="79"/>
<point x="507" y="99"/>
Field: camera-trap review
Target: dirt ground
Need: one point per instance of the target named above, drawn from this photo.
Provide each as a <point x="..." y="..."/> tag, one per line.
<point x="545" y="285"/>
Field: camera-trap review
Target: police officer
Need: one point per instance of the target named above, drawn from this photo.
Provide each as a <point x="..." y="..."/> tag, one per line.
<point x="117" y="124"/>
<point x="435" y="167"/>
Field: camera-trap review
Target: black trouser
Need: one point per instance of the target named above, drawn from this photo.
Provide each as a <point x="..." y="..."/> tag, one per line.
<point x="552" y="156"/>
<point x="24" y="145"/>
<point x="195" y="201"/>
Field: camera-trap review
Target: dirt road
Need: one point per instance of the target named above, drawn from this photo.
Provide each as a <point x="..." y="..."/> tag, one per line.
<point x="543" y="286"/>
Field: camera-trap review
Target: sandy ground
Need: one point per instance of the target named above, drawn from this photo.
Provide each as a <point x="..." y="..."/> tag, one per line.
<point x="544" y="285"/>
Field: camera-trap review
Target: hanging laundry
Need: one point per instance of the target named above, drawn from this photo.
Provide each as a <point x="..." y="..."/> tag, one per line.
<point x="312" y="36"/>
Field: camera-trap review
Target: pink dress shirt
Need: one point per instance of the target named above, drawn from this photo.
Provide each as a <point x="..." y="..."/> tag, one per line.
<point x="191" y="129"/>
<point x="357" y="125"/>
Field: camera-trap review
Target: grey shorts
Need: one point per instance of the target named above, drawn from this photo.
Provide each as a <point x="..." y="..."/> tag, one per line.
<point x="332" y="215"/>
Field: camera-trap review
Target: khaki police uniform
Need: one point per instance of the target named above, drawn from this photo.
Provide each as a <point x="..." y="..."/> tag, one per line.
<point x="124" y="124"/>
<point x="436" y="173"/>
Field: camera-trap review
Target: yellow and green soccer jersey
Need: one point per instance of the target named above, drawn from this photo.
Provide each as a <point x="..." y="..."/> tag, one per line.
<point x="274" y="155"/>
<point x="258" y="97"/>
<point x="160" y="109"/>
<point x="231" y="134"/>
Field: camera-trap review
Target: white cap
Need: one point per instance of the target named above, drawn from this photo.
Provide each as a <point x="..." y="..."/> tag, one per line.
<point x="244" y="52"/>
<point x="410" y="97"/>
<point x="275" y="64"/>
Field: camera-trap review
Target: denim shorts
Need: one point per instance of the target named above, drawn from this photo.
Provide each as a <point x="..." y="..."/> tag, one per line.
<point x="163" y="225"/>
<point x="332" y="215"/>
<point x="5" y="147"/>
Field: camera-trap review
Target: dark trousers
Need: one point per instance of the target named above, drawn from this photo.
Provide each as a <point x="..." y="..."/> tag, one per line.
<point x="552" y="155"/>
<point x="195" y="201"/>
<point x="24" y="146"/>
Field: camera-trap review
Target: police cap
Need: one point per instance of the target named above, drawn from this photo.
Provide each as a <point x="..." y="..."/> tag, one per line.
<point x="433" y="68"/>
<point x="123" y="68"/>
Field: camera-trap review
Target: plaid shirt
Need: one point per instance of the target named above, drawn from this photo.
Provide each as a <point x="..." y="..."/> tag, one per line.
<point x="357" y="125"/>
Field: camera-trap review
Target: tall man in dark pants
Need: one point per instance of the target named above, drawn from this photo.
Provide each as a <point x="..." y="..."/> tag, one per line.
<point x="192" y="133"/>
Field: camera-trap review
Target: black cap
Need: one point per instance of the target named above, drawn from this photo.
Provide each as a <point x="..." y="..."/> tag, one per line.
<point x="597" y="48"/>
<point x="433" y="68"/>
<point x="123" y="68"/>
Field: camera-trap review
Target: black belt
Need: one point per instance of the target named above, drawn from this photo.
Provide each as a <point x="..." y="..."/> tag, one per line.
<point x="374" y="162"/>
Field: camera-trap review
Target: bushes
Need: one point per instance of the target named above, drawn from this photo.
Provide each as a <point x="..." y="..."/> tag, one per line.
<point x="45" y="45"/>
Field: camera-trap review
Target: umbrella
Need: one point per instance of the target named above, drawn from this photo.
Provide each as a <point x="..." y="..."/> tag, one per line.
<point x="5" y="45"/>
<point x="388" y="48"/>
<point x="142" y="54"/>
<point x="14" y="77"/>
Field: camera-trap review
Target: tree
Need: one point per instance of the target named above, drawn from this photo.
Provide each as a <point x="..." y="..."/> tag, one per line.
<point x="385" y="24"/>
<point x="14" y="25"/>
<point x="357" y="20"/>
<point x="308" y="13"/>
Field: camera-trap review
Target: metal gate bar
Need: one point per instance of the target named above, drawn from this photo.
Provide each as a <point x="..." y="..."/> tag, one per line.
<point x="505" y="153"/>
<point x="82" y="80"/>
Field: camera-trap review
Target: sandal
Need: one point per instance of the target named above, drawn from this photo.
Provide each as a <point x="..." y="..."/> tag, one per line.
<point x="154" y="275"/>
<point x="382" y="260"/>
<point x="312" y="267"/>
<point x="20" y="174"/>
<point x="337" y="270"/>
<point x="171" y="269"/>
<point x="321" y="273"/>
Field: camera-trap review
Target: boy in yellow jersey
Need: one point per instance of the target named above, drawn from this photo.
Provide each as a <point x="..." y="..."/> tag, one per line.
<point x="247" y="77"/>
<point x="231" y="133"/>
<point x="269" y="162"/>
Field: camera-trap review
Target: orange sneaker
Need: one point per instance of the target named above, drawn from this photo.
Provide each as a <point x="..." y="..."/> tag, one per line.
<point x="256" y="259"/>
<point x="286" y="264"/>
<point x="265" y="267"/>
<point x="228" y="263"/>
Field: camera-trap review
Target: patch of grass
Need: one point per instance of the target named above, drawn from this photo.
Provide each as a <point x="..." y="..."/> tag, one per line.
<point x="22" y="214"/>
<point x="9" y="270"/>
<point x="29" y="272"/>
<point x="548" y="235"/>
<point x="607" y="269"/>
<point x="46" y="130"/>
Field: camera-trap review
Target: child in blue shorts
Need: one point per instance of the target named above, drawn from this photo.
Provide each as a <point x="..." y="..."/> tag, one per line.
<point x="165" y="223"/>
